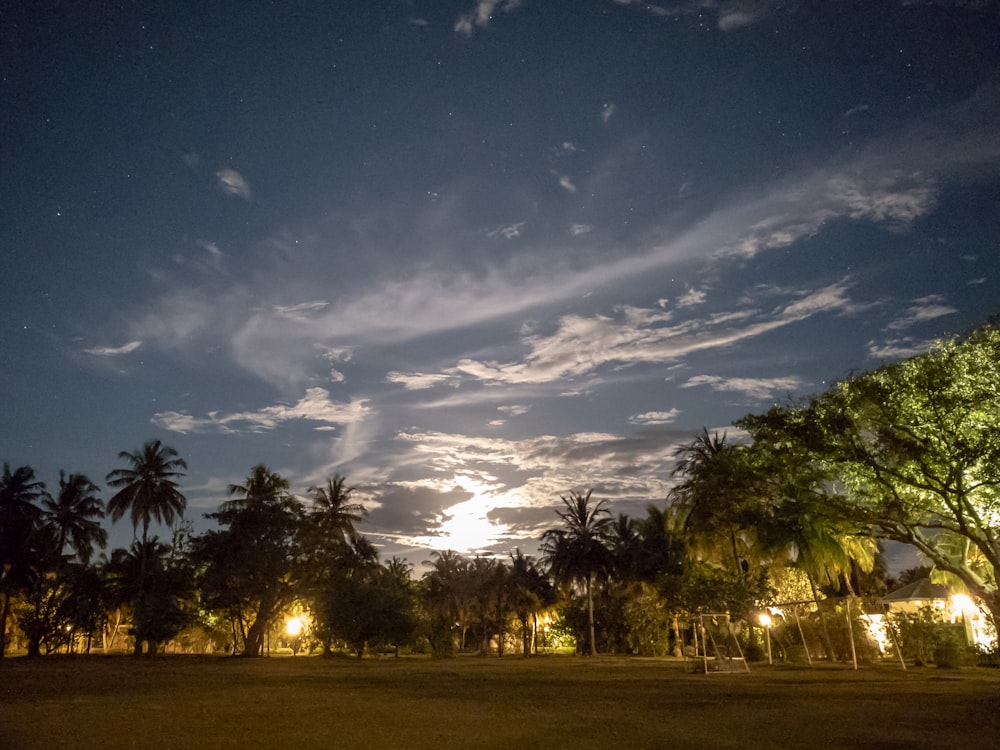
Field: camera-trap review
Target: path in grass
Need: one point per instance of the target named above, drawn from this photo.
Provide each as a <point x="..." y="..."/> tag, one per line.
<point x="551" y="702"/>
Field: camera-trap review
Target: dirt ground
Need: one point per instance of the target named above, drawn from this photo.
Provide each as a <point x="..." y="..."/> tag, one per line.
<point x="552" y="702"/>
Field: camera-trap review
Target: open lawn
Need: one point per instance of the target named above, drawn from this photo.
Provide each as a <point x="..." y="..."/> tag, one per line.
<point x="549" y="702"/>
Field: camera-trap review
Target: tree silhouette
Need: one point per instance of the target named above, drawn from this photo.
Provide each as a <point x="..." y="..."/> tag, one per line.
<point x="578" y="554"/>
<point x="333" y="511"/>
<point x="147" y="487"/>
<point x="252" y="565"/>
<point x="19" y="515"/>
<point x="72" y="514"/>
<point x="717" y="505"/>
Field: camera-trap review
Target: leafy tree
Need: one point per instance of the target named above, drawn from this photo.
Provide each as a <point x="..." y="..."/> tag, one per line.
<point x="373" y="606"/>
<point x="916" y="445"/>
<point x="165" y="580"/>
<point x="446" y="597"/>
<point x="253" y="563"/>
<point x="578" y="554"/>
<point x="530" y="592"/>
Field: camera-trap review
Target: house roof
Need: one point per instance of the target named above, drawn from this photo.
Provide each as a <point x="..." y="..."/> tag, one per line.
<point x="922" y="588"/>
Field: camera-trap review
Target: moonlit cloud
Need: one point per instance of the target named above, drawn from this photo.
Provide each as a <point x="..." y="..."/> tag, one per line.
<point x="232" y="183"/>
<point x="113" y="351"/>
<point x="582" y="345"/>
<point x="901" y="348"/>
<point x="417" y="381"/>
<point x="483" y="14"/>
<point x="760" y="389"/>
<point x="655" y="417"/>
<point x="508" y="232"/>
<point x="314" y="406"/>
<point x="692" y="297"/>
<point x="923" y="309"/>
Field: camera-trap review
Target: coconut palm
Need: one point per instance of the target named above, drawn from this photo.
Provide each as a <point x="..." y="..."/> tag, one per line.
<point x="333" y="510"/>
<point x="72" y="513"/>
<point x="147" y="488"/>
<point x="19" y="516"/>
<point x="717" y="504"/>
<point x="578" y="554"/>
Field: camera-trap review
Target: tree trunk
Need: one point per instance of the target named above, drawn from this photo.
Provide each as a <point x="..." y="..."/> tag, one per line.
<point x="827" y="643"/>
<point x="253" y="644"/>
<point x="4" y="612"/>
<point x="590" y="615"/>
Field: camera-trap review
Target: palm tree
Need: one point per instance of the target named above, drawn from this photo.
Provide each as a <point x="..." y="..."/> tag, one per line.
<point x="19" y="515"/>
<point x="254" y="563"/>
<point x="446" y="595"/>
<point x="531" y="591"/>
<point x="333" y="510"/>
<point x="716" y="506"/>
<point x="147" y="489"/>
<point x="578" y="553"/>
<point x="71" y="514"/>
<point x="262" y="487"/>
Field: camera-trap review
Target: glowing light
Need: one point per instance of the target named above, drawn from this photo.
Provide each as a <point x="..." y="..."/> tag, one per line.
<point x="764" y="619"/>
<point x="294" y="626"/>
<point x="962" y="604"/>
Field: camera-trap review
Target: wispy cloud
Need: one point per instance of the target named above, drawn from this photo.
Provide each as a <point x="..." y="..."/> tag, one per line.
<point x="655" y="417"/>
<point x="760" y="389"/>
<point x="233" y="183"/>
<point x="567" y="184"/>
<point x="417" y="381"/>
<point x="921" y="310"/>
<point x="692" y="297"/>
<point x="481" y="16"/>
<point x="113" y="351"/>
<point x="508" y="231"/>
<point x="584" y="344"/>
<point x="259" y="323"/>
<point x="900" y="348"/>
<point x="314" y="406"/>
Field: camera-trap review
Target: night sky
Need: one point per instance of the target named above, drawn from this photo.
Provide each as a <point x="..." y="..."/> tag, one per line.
<point x="474" y="255"/>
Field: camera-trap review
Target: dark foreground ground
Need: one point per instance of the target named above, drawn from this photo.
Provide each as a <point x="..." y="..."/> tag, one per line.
<point x="551" y="702"/>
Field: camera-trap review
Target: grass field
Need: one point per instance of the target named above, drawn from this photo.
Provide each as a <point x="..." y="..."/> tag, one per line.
<point x="550" y="702"/>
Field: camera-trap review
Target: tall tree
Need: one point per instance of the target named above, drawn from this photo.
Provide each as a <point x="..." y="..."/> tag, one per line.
<point x="577" y="554"/>
<point x="531" y="591"/>
<point x="73" y="513"/>
<point x="253" y="564"/>
<point x="147" y="487"/>
<point x="147" y="491"/>
<point x="716" y="505"/>
<point x="447" y="598"/>
<point x="333" y="509"/>
<point x="917" y="445"/>
<point x="20" y="492"/>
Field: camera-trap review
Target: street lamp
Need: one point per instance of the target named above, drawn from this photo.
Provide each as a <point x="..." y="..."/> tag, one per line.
<point x="765" y="620"/>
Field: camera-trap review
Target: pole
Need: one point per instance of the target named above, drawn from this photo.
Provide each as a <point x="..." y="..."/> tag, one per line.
<point x="850" y="634"/>
<point x="805" y="646"/>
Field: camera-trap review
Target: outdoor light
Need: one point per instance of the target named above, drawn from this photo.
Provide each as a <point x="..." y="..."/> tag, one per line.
<point x="293" y="626"/>
<point x="962" y="603"/>
<point x="765" y="619"/>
